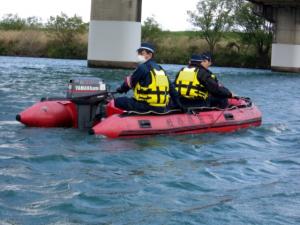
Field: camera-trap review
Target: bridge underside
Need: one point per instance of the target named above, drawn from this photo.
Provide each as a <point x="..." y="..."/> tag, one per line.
<point x="277" y="2"/>
<point x="285" y="14"/>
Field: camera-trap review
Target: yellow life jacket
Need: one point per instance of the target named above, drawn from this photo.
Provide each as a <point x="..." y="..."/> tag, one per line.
<point x="188" y="85"/>
<point x="157" y="92"/>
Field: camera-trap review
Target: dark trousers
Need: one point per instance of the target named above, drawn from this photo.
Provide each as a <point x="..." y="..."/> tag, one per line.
<point x="130" y="104"/>
<point x="221" y="103"/>
<point x="218" y="102"/>
<point x="187" y="103"/>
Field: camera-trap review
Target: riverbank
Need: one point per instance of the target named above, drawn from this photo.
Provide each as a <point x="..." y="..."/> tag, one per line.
<point x="172" y="47"/>
<point x="38" y="43"/>
<point x="177" y="47"/>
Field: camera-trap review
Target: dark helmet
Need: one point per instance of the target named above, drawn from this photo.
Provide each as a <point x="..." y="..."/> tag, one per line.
<point x="206" y="56"/>
<point x="196" y="58"/>
<point x="146" y="46"/>
<point x="200" y="57"/>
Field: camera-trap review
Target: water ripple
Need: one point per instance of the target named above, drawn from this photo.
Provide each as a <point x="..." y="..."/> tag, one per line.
<point x="64" y="176"/>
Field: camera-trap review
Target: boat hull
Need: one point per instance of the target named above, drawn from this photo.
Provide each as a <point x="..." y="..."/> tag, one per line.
<point x="50" y="114"/>
<point x="120" y="125"/>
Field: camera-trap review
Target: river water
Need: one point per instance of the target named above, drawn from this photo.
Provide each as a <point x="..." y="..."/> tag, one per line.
<point x="65" y="176"/>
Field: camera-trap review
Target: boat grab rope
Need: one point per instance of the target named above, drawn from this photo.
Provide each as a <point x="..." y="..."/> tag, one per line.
<point x="194" y="110"/>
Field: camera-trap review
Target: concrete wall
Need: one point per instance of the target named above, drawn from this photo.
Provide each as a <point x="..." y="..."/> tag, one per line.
<point x="286" y="46"/>
<point x="287" y="25"/>
<point x="286" y="57"/>
<point x="114" y="33"/>
<point x="285" y="14"/>
<point x="118" y="10"/>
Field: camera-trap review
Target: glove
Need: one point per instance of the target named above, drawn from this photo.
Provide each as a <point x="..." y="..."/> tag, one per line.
<point x="120" y="90"/>
<point x="182" y="107"/>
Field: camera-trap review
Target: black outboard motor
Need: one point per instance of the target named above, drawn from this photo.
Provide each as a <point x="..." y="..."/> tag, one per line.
<point x="87" y="93"/>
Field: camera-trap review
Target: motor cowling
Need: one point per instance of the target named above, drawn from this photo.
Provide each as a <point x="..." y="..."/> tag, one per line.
<point x="86" y="87"/>
<point x="87" y="93"/>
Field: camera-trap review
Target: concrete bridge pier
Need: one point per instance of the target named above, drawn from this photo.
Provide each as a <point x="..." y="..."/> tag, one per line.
<point x="285" y="15"/>
<point x="114" y="33"/>
<point x="286" y="45"/>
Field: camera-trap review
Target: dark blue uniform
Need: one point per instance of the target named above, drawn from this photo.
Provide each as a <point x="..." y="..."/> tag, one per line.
<point x="141" y="75"/>
<point x="218" y="95"/>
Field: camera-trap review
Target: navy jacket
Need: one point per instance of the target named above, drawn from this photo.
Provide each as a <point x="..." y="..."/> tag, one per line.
<point x="212" y="85"/>
<point x="142" y="75"/>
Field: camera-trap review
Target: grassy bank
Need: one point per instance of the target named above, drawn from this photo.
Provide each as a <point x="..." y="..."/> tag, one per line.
<point x="230" y="52"/>
<point x="172" y="47"/>
<point x="37" y="43"/>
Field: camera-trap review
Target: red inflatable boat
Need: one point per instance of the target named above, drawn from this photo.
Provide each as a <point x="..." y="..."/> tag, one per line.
<point x="86" y="107"/>
<point x="197" y="121"/>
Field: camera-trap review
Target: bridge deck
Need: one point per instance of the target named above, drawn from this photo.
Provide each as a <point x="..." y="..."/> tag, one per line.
<point x="277" y="2"/>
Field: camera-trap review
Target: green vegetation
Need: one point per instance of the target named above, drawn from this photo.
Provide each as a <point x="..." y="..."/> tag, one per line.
<point x="258" y="33"/>
<point x="228" y="28"/>
<point x="64" y="39"/>
<point x="214" y="18"/>
<point x="230" y="51"/>
<point x="60" y="37"/>
<point x="14" y="22"/>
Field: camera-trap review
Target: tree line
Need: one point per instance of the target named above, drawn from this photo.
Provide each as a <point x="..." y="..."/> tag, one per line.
<point x="59" y="37"/>
<point x="230" y="28"/>
<point x="227" y="28"/>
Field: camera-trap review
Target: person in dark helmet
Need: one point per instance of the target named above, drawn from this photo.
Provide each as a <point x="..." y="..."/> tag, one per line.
<point x="198" y="86"/>
<point x="152" y="89"/>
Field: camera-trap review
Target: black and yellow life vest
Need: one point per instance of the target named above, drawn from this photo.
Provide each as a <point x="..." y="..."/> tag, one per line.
<point x="188" y="85"/>
<point x="157" y="92"/>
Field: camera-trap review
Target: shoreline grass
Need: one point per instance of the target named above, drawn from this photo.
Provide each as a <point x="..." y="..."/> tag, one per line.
<point x="172" y="47"/>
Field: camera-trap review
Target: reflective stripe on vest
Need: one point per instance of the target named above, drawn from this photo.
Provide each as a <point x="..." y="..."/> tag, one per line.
<point x="156" y="93"/>
<point x="188" y="86"/>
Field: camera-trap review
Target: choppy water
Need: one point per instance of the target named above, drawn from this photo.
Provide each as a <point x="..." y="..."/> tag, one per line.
<point x="64" y="176"/>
